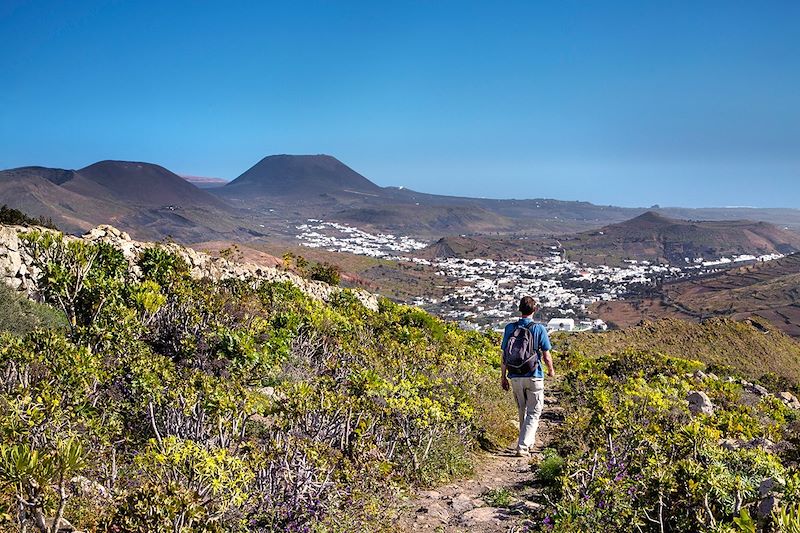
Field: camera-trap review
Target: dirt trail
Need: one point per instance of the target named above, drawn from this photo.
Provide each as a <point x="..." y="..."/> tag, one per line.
<point x="501" y="496"/>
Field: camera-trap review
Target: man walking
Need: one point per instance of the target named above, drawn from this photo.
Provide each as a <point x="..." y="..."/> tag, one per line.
<point x="525" y="345"/>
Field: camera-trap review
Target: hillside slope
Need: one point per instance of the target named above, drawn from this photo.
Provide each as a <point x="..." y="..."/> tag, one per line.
<point x="752" y="347"/>
<point x="147" y="184"/>
<point x="769" y="289"/>
<point x="144" y="199"/>
<point x="37" y="192"/>
<point x="249" y="404"/>
<point x="654" y="237"/>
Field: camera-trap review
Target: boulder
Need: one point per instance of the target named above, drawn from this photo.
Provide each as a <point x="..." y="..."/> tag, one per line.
<point x="767" y="486"/>
<point x="700" y="403"/>
<point x="767" y="505"/>
<point x="527" y="506"/>
<point x="761" y="442"/>
<point x="13" y="262"/>
<point x="789" y="399"/>
<point x="88" y="488"/>
<point x="438" y="511"/>
<point x="758" y="389"/>
<point x="63" y="525"/>
<point x="95" y="233"/>
<point x="462" y="503"/>
<point x="730" y="444"/>
<point x="482" y="516"/>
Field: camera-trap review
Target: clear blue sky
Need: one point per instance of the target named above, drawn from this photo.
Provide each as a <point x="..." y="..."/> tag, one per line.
<point x="629" y="103"/>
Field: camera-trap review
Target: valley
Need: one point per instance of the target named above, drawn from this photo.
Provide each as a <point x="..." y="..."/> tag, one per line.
<point x="483" y="292"/>
<point x="765" y="289"/>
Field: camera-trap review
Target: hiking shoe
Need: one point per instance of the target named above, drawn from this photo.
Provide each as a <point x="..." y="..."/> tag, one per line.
<point x="522" y="452"/>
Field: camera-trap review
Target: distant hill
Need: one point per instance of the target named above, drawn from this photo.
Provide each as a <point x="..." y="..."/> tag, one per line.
<point x="770" y="290"/>
<point x="205" y="182"/>
<point x="294" y="187"/>
<point x="320" y="186"/>
<point x="655" y="237"/>
<point x="36" y="191"/>
<point x="146" y="200"/>
<point x="302" y="176"/>
<point x="146" y="184"/>
<point x="498" y="248"/>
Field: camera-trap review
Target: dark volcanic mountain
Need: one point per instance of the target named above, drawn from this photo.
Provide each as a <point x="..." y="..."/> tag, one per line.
<point x="655" y="237"/>
<point x="301" y="176"/>
<point x="286" y="188"/>
<point x="147" y="200"/>
<point x="295" y="187"/>
<point x="146" y="184"/>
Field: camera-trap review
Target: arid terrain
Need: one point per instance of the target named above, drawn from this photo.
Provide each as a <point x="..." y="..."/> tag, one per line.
<point x="770" y="290"/>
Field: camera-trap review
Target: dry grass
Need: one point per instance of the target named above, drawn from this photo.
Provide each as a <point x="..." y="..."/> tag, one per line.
<point x="753" y="347"/>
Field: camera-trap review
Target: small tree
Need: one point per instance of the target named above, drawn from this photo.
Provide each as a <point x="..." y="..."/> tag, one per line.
<point x="327" y="272"/>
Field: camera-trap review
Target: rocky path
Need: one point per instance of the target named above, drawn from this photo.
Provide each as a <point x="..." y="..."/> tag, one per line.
<point x="501" y="496"/>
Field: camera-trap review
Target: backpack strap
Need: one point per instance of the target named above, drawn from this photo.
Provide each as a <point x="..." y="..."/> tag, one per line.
<point x="531" y="326"/>
<point x="535" y="338"/>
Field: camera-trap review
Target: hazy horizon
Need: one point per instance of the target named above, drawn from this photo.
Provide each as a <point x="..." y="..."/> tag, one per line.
<point x="687" y="104"/>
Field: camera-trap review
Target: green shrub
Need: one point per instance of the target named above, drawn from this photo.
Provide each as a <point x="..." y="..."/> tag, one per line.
<point x="327" y="272"/>
<point x="9" y="215"/>
<point x="162" y="266"/>
<point x="551" y="466"/>
<point x="19" y="315"/>
<point x="235" y="405"/>
<point x="498" y="497"/>
<point x="637" y="461"/>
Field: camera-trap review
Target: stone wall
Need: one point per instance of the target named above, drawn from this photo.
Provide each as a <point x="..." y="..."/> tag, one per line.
<point x="17" y="270"/>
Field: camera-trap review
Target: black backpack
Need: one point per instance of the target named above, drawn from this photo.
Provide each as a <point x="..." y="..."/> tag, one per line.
<point x="520" y="355"/>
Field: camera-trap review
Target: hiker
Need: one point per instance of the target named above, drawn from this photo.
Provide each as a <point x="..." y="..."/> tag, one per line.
<point x="525" y="344"/>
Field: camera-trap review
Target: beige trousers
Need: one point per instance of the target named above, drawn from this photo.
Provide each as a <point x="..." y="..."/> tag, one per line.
<point x="529" y="393"/>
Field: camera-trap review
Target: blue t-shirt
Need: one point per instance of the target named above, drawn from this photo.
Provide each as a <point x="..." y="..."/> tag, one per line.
<point x="540" y="339"/>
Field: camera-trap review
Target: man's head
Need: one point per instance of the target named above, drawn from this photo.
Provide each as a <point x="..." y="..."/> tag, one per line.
<point x="527" y="305"/>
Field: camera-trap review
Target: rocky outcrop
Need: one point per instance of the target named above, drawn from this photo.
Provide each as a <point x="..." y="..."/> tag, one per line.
<point x="700" y="403"/>
<point x="769" y="497"/>
<point x="17" y="266"/>
<point x="789" y="399"/>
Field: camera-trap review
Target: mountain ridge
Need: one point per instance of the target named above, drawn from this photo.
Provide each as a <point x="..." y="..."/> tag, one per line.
<point x="281" y="191"/>
<point x="143" y="198"/>
<point x="656" y="237"/>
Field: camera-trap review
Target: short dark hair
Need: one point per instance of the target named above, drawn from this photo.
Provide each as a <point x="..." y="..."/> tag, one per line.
<point x="527" y="305"/>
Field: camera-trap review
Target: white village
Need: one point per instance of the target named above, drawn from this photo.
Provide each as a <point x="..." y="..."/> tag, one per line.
<point x="483" y="292"/>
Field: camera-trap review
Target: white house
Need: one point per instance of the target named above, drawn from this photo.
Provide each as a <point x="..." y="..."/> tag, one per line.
<point x="561" y="324"/>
